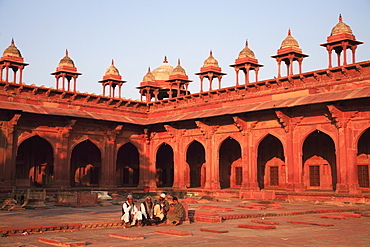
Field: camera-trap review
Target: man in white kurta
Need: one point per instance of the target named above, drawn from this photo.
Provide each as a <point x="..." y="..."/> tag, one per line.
<point x="130" y="214"/>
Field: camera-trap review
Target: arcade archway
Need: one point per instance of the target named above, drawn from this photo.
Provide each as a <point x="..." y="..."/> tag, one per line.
<point x="34" y="163"/>
<point x="128" y="166"/>
<point x="230" y="164"/>
<point x="195" y="157"/>
<point x="319" y="162"/>
<point x="85" y="164"/>
<point x="363" y="160"/>
<point x="164" y="166"/>
<point x="270" y="163"/>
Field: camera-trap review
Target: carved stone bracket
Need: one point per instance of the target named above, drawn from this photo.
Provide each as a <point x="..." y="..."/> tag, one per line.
<point x="207" y="130"/>
<point x="283" y="120"/>
<point x="148" y="134"/>
<point x="339" y="118"/>
<point x="240" y="124"/>
<point x="13" y="122"/>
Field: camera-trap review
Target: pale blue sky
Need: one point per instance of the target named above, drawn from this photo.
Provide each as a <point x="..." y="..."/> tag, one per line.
<point x="138" y="34"/>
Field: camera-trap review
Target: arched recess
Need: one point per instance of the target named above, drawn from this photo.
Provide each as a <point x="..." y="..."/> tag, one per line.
<point x="127" y="166"/>
<point x="85" y="164"/>
<point x="271" y="163"/>
<point x="34" y="163"/>
<point x="164" y="166"/>
<point x="230" y="164"/>
<point x="196" y="157"/>
<point x="363" y="160"/>
<point x="319" y="162"/>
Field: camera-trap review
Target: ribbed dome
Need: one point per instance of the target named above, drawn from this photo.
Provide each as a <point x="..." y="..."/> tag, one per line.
<point x="112" y="70"/>
<point x="12" y="50"/>
<point x="289" y="41"/>
<point x="341" y="27"/>
<point x="178" y="70"/>
<point x="66" y="61"/>
<point x="246" y="52"/>
<point x="210" y="61"/>
<point x="163" y="72"/>
<point x="149" y="76"/>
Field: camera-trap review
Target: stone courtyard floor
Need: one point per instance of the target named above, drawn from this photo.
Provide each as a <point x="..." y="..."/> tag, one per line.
<point x="350" y="231"/>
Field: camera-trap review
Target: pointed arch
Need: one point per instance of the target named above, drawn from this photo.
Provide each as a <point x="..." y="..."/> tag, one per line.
<point x="164" y="166"/>
<point x="319" y="161"/>
<point x="230" y="164"/>
<point x="195" y="157"/>
<point x="363" y="159"/>
<point x="270" y="162"/>
<point x="85" y="164"/>
<point x="128" y="166"/>
<point x="35" y="162"/>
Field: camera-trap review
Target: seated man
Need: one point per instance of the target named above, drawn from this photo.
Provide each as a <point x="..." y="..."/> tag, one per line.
<point x="130" y="214"/>
<point x="147" y="208"/>
<point x="160" y="209"/>
<point x="178" y="215"/>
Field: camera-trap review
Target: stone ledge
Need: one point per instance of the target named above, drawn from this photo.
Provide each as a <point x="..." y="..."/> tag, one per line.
<point x="335" y="217"/>
<point x="350" y="215"/>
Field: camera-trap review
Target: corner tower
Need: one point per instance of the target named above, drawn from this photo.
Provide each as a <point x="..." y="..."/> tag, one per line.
<point x="112" y="78"/>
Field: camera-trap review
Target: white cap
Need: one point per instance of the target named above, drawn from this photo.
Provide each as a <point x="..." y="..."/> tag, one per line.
<point x="163" y="195"/>
<point x="129" y="196"/>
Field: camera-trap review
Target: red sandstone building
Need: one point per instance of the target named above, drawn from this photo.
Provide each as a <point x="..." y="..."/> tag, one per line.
<point x="297" y="133"/>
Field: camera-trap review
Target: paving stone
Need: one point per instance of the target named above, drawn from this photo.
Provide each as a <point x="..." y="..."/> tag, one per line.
<point x="173" y="232"/>
<point x="256" y="227"/>
<point x="335" y="217"/>
<point x="62" y="242"/>
<point x="126" y="236"/>
<point x="350" y="215"/>
<point x="212" y="230"/>
<point x="265" y="222"/>
<point x="308" y="223"/>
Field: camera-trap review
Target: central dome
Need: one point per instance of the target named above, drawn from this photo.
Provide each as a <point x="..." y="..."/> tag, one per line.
<point x="289" y="41"/>
<point x="163" y="72"/>
<point x="210" y="61"/>
<point x="341" y="27"/>
<point x="246" y="52"/>
<point x="66" y="61"/>
<point x="12" y="50"/>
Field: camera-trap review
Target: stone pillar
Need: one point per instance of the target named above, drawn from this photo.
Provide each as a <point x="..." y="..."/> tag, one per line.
<point x="8" y="145"/>
<point x="108" y="162"/>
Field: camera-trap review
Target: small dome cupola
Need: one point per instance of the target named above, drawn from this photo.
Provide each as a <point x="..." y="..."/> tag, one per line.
<point x="112" y="70"/>
<point x="148" y="76"/>
<point x="246" y="52"/>
<point x="289" y="41"/>
<point x="341" y="28"/>
<point x="12" y="50"/>
<point x="66" y="61"/>
<point x="210" y="61"/>
<point x="178" y="70"/>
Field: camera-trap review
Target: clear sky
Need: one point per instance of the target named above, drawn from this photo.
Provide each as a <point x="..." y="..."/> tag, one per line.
<point x="138" y="34"/>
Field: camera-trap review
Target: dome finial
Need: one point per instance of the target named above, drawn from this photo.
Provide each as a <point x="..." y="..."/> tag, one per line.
<point x="165" y="59"/>
<point x="178" y="61"/>
<point x="340" y="18"/>
<point x="210" y="53"/>
<point x="246" y="42"/>
<point x="289" y="32"/>
<point x="67" y="52"/>
<point x="149" y="69"/>
<point x="112" y="61"/>
<point x="12" y="41"/>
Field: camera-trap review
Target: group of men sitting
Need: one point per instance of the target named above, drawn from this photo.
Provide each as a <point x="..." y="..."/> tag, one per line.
<point x="152" y="213"/>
